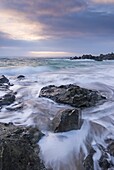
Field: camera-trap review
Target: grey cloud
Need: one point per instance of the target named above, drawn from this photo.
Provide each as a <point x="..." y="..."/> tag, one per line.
<point x="6" y="41"/>
<point x="80" y="25"/>
<point x="78" y="20"/>
<point x="46" y="7"/>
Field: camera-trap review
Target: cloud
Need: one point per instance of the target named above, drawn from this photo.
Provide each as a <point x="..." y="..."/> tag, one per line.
<point x="47" y="19"/>
<point x="48" y="25"/>
<point x="46" y="7"/>
<point x="103" y="1"/>
<point x="19" y="27"/>
<point x="27" y="20"/>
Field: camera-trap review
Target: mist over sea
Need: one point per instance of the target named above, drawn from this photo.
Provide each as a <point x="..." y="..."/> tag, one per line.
<point x="39" y="72"/>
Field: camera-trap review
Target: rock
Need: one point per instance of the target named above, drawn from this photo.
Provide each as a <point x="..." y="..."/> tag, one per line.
<point x="66" y="120"/>
<point x="15" y="107"/>
<point x="19" y="149"/>
<point x="88" y="162"/>
<point x="4" y="83"/>
<point x="72" y="94"/>
<point x="3" y="79"/>
<point x="101" y="57"/>
<point x="110" y="148"/>
<point x="7" y="99"/>
<point x="104" y="163"/>
<point x="21" y="77"/>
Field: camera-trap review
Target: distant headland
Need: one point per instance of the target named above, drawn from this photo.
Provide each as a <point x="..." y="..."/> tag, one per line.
<point x="101" y="57"/>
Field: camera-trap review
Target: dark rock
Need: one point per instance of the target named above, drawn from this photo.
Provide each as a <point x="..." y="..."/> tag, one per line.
<point x="101" y="57"/>
<point x="110" y="148"/>
<point x="15" y="107"/>
<point x="104" y="163"/>
<point x="4" y="83"/>
<point x="7" y="99"/>
<point x="3" y="79"/>
<point x="66" y="120"/>
<point x="88" y="162"/>
<point x="21" y="77"/>
<point x="72" y="95"/>
<point x="19" y="149"/>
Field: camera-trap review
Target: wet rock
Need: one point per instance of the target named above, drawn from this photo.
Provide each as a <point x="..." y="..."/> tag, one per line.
<point x="66" y="120"/>
<point x="3" y="79"/>
<point x="7" y="99"/>
<point x="19" y="149"/>
<point x="111" y="148"/>
<point x="4" y="83"/>
<point x="88" y="162"/>
<point x="104" y="163"/>
<point x="15" y="107"/>
<point x="21" y="77"/>
<point x="72" y="94"/>
<point x="101" y="57"/>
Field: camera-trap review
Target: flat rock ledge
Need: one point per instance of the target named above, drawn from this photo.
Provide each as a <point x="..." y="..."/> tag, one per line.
<point x="18" y="148"/>
<point x="72" y="95"/>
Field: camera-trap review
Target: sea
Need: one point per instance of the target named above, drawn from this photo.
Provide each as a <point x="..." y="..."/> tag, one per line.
<point x="67" y="150"/>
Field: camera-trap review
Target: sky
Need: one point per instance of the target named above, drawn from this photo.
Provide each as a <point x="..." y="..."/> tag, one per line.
<point x="56" y="28"/>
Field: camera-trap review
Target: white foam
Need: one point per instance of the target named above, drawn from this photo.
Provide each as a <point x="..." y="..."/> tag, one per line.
<point x="62" y="150"/>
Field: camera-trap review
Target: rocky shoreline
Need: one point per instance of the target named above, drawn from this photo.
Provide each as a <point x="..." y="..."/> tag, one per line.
<point x="19" y="149"/>
<point x="101" y="57"/>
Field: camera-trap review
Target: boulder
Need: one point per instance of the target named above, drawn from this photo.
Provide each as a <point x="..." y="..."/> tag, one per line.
<point x="73" y="95"/>
<point x="66" y="120"/>
<point x="19" y="149"/>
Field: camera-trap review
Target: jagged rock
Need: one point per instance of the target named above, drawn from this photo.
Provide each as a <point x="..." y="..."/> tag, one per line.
<point x="4" y="83"/>
<point x="104" y="163"/>
<point x="21" y="77"/>
<point x="101" y="57"/>
<point x="66" y="120"/>
<point x="111" y="148"/>
<point x="19" y="149"/>
<point x="72" y="94"/>
<point x="88" y="162"/>
<point x="3" y="79"/>
<point x="7" y="99"/>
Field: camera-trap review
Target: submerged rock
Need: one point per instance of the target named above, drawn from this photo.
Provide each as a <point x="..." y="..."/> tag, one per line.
<point x="66" y="120"/>
<point x="21" y="77"/>
<point x="15" y="107"/>
<point x="72" y="94"/>
<point x="19" y="149"/>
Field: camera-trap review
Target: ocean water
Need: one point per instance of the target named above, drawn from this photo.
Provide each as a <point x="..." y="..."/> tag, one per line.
<point x="62" y="151"/>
